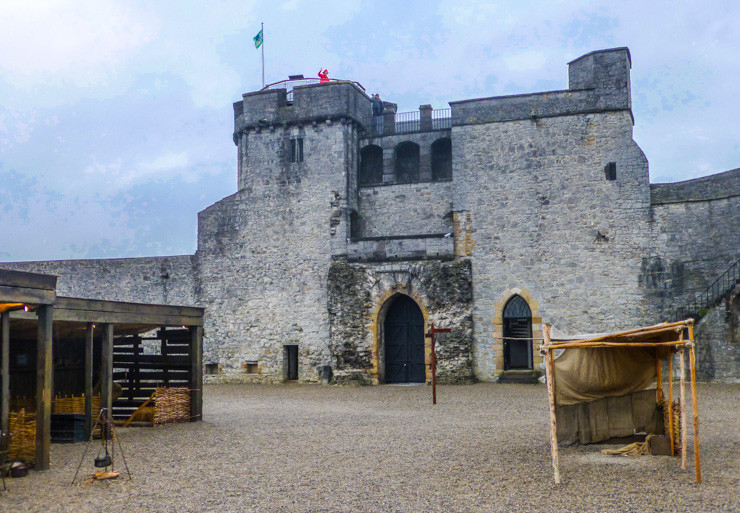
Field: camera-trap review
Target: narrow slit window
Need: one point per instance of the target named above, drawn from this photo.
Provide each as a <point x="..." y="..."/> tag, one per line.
<point x="610" y="171"/>
<point x="296" y="149"/>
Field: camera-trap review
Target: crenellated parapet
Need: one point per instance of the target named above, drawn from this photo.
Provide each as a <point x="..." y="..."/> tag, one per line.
<point x="598" y="82"/>
<point x="311" y="104"/>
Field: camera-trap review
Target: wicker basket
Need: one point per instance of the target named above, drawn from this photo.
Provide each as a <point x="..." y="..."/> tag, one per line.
<point x="22" y="428"/>
<point x="76" y="404"/>
<point x="171" y="405"/>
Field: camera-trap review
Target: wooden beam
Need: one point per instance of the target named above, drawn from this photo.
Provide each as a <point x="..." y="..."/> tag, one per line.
<point x="28" y="296"/>
<point x="5" y="371"/>
<point x="25" y="279"/>
<point x="196" y="373"/>
<point x="154" y="320"/>
<point x="89" y="420"/>
<point x="683" y="413"/>
<point x="695" y="406"/>
<point x="44" y="381"/>
<point x="99" y="305"/>
<point x="631" y="334"/>
<point x="587" y="344"/>
<point x="106" y="374"/>
<point x="550" y="377"/>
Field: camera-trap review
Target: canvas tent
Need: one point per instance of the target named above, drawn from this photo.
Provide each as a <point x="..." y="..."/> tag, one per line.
<point x="608" y="385"/>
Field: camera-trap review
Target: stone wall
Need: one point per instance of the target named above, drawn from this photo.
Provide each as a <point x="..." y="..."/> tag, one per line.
<point x="408" y="209"/>
<point x="543" y="217"/>
<point x="717" y="337"/>
<point x="695" y="238"/>
<point x="359" y="295"/>
<point x="155" y="280"/>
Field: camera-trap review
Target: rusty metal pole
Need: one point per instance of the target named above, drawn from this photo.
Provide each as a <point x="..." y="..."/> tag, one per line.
<point x="434" y="369"/>
<point x="433" y="331"/>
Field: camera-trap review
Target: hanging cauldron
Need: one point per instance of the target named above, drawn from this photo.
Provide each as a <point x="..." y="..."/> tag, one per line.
<point x="103" y="461"/>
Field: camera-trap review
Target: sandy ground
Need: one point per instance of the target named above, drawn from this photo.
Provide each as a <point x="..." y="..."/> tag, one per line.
<point x="314" y="448"/>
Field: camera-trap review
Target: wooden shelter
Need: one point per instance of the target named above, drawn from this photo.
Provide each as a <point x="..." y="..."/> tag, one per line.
<point x="33" y="294"/>
<point x="642" y="350"/>
<point x="137" y="346"/>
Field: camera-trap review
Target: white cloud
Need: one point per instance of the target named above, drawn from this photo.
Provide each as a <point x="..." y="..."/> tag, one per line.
<point x="81" y="41"/>
<point x="167" y="162"/>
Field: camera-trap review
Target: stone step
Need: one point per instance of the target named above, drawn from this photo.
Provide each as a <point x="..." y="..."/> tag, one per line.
<point x="526" y="377"/>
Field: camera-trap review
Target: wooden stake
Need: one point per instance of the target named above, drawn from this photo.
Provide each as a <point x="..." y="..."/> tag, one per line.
<point x="659" y="377"/>
<point x="550" y="377"/>
<point x="694" y="405"/>
<point x="5" y="371"/>
<point x="670" y="402"/>
<point x="683" y="412"/>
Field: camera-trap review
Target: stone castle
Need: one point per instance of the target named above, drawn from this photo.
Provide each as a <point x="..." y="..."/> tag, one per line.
<point x="350" y="234"/>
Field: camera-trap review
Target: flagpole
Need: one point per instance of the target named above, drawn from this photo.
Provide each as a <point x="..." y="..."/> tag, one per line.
<point x="263" y="55"/>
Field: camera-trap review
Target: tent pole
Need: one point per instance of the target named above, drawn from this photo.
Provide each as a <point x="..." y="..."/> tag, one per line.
<point x="694" y="405"/>
<point x="670" y="402"/>
<point x="683" y="412"/>
<point x="550" y="377"/>
<point x="659" y="377"/>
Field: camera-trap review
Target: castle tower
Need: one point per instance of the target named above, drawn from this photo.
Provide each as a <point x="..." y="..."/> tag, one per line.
<point x="264" y="252"/>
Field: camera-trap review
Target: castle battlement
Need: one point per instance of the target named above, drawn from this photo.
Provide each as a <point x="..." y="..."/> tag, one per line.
<point x="311" y="103"/>
<point x="598" y="82"/>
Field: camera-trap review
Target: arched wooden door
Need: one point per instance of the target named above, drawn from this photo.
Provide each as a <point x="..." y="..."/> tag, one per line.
<point x="517" y="326"/>
<point x="404" y="342"/>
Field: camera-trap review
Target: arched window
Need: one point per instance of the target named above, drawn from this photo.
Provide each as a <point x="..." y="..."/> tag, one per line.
<point x="407" y="162"/>
<point x="442" y="159"/>
<point x="517" y="334"/>
<point x="371" y="165"/>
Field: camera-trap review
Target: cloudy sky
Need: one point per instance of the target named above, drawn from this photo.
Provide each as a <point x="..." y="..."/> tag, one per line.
<point x="116" y="116"/>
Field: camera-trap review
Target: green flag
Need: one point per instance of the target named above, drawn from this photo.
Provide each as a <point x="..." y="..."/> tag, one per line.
<point x="258" y="39"/>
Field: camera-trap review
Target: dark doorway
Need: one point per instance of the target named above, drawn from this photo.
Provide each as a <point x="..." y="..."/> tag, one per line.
<point x="371" y="165"/>
<point x="442" y="159"/>
<point x="517" y="325"/>
<point x="407" y="162"/>
<point x="291" y="363"/>
<point x="404" y="342"/>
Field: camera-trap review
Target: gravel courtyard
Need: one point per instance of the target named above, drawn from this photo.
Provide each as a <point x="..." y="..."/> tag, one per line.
<point x="313" y="448"/>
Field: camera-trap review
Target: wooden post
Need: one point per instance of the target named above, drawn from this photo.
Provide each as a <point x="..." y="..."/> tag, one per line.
<point x="670" y="402"/>
<point x="196" y="373"/>
<point x="694" y="405"/>
<point x="683" y="413"/>
<point x="5" y="372"/>
<point x="659" y="376"/>
<point x="550" y="377"/>
<point x="89" y="333"/>
<point x="106" y="374"/>
<point x="44" y="380"/>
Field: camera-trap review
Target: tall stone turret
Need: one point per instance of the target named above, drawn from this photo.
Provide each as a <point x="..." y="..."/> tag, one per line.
<point x="265" y="252"/>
